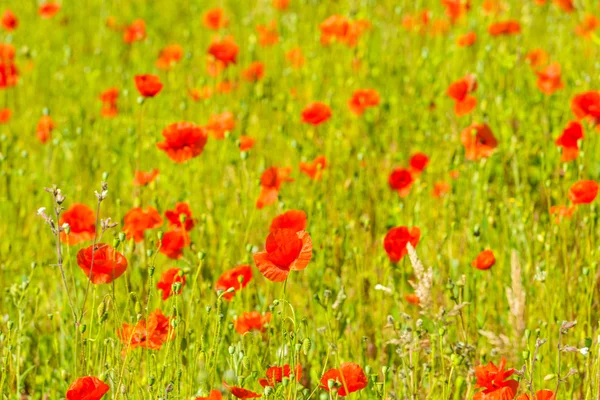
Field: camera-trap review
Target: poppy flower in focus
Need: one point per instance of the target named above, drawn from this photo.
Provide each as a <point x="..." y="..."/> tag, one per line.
<point x="569" y="141"/>
<point x="215" y="19"/>
<point x="246" y="143"/>
<point x="136" y="32"/>
<point x="168" y="279"/>
<point x="213" y="395"/>
<point x="401" y="179"/>
<point x="561" y="212"/>
<point x="9" y="21"/>
<point x="251" y="321"/>
<point x="109" y="102"/>
<point x="510" y="27"/>
<point x="492" y="378"/>
<point x="362" y="99"/>
<point x="254" y="72"/>
<point x="587" y="27"/>
<point x="412" y="299"/>
<point x="82" y="224"/>
<point x="169" y="57"/>
<point x="148" y="85"/>
<point x="48" y="9"/>
<point x="142" y="178"/>
<point x="275" y="375"/>
<point x="285" y="250"/>
<point x="270" y="183"/>
<point x="484" y="260"/>
<point x="316" y="113"/>
<point x="183" y="141"/>
<point x="151" y="333"/>
<point x="349" y="378"/>
<point x="586" y="105"/>
<point x="236" y="278"/>
<point x="292" y="219"/>
<point x="173" y="243"/>
<point x="101" y="263"/>
<point x="181" y="217"/>
<point x="466" y="40"/>
<point x="267" y="34"/>
<point x="549" y="79"/>
<point x="479" y="141"/>
<point x="539" y="395"/>
<point x="44" y="128"/>
<point x="295" y="57"/>
<point x="537" y="58"/>
<point x="583" y="192"/>
<point x="418" y="162"/>
<point x="5" y="114"/>
<point x="138" y="220"/>
<point x="315" y="168"/>
<point x="440" y="189"/>
<point x="87" y="388"/>
<point x="456" y="8"/>
<point x="459" y="91"/>
<point x="224" y="50"/>
<point x="396" y="239"/>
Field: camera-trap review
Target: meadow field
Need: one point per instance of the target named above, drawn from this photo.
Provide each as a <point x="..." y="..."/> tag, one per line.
<point x="299" y="199"/>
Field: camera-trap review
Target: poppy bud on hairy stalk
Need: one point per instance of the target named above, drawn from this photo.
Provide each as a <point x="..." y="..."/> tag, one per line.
<point x="151" y="271"/>
<point x="306" y="345"/>
<point x="268" y="391"/>
<point x="201" y="255"/>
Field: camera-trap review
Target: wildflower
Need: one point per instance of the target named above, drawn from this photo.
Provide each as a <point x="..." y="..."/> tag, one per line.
<point x="270" y="183"/>
<point x="362" y="99"/>
<point x="224" y="50"/>
<point x="285" y="250"/>
<point x="267" y="34"/>
<point x="418" y="162"/>
<point x="142" y="178"/>
<point x="316" y="113"/>
<point x="148" y="85"/>
<point x="135" y="32"/>
<point x="138" y="220"/>
<point x="183" y="141"/>
<point x="583" y="192"/>
<point x="315" y="168"/>
<point x="460" y="92"/>
<point x="549" y="79"/>
<point x="569" y="141"/>
<point x="9" y="21"/>
<point x="168" y="279"/>
<point x="169" y="56"/>
<point x="150" y="333"/>
<point x="181" y="217"/>
<point x="48" y="9"/>
<point x="246" y="143"/>
<point x="485" y="260"/>
<point x="479" y="141"/>
<point x="173" y="243"/>
<point x="295" y="57"/>
<point x="349" y="378"/>
<point x="466" y="40"/>
<point x="396" y="239"/>
<point x="44" y="128"/>
<point x="251" y="321"/>
<point x="236" y="278"/>
<point x="510" y="27"/>
<point x="275" y="375"/>
<point x="87" y="388"/>
<point x="82" y="224"/>
<point x="219" y="124"/>
<point x="254" y="72"/>
<point x="215" y="19"/>
<point x="492" y="378"/>
<point x="292" y="219"/>
<point x="101" y="263"/>
<point x="537" y="58"/>
<point x="401" y="180"/>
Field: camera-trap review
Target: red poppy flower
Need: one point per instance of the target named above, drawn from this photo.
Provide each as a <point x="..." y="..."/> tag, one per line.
<point x="173" y="243"/>
<point x="504" y="393"/>
<point x="412" y="299"/>
<point x="583" y="192"/>
<point x="241" y="393"/>
<point x="109" y="102"/>
<point x="218" y="124"/>
<point x="215" y="19"/>
<point x="102" y="265"/>
<point x="401" y="180"/>
<point x="225" y="86"/>
<point x="168" y="279"/>
<point x="142" y="178"/>
<point x="349" y="378"/>
<point x="48" y="9"/>
<point x="316" y="113"/>
<point x="203" y="93"/>
<point x="569" y="141"/>
<point x="285" y="250"/>
<point x="281" y="4"/>
<point x="549" y="79"/>
<point x="315" y="168"/>
<point x="466" y="40"/>
<point x="224" y="50"/>
<point x="586" y="27"/>
<point x="539" y="395"/>
<point x="87" y="388"/>
<point x="183" y="141"/>
<point x="485" y="260"/>
<point x="479" y="141"/>
<point x="334" y="27"/>
<point x="254" y="72"/>
<point x="251" y="321"/>
<point x="586" y="105"/>
<point x="151" y="333"/>
<point x="267" y="34"/>
<point x="295" y="57"/>
<point x="565" y="5"/>
<point x="236" y="278"/>
<point x="537" y="58"/>
<point x="459" y="91"/>
<point x="9" y="21"/>
<point x="44" y="128"/>
<point x="137" y="220"/>
<point x="292" y="219"/>
<point x="275" y="375"/>
<point x="82" y="224"/>
<point x="5" y="114"/>
<point x="505" y="28"/>
<point x="440" y="189"/>
<point x="270" y="183"/>
<point x="169" y="56"/>
<point x="181" y="210"/>
<point x="418" y="162"/>
<point x="396" y="239"/>
<point x="148" y="85"/>
<point x="362" y="99"/>
<point x="214" y="395"/>
<point x="246" y="143"/>
<point x="561" y="212"/>
<point x="135" y="32"/>
<point x="456" y="8"/>
<point x="9" y="74"/>
<point x="492" y="378"/>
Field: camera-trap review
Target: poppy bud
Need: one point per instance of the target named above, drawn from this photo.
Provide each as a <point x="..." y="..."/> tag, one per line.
<point x="525" y="354"/>
<point x="285" y="381"/>
<point x="10" y="325"/>
<point x="176" y="287"/>
<point x="82" y="328"/>
<point x="549" y="377"/>
<point x="201" y="255"/>
<point x="160" y="235"/>
<point x="138" y="307"/>
<point x="267" y="391"/>
<point x="244" y="155"/>
<point x="101" y="309"/>
<point x="442" y="331"/>
<point x="148" y="253"/>
<point x="306" y="344"/>
<point x="133" y="296"/>
<point x="66" y="228"/>
<point x="122" y="236"/>
<point x="151" y="271"/>
<point x="116" y="242"/>
<point x="151" y="381"/>
<point x="231" y="350"/>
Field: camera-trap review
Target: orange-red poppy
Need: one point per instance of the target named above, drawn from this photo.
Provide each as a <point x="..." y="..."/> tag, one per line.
<point x="82" y="224"/>
<point x="412" y="298"/>
<point x="466" y="40"/>
<point x="586" y="105"/>
<point x="549" y="79"/>
<point x="401" y="180"/>
<point x="213" y="395"/>
<point x="456" y="8"/>
<point x="135" y="32"/>
<point x="569" y="141"/>
<point x="137" y="221"/>
<point x="109" y="102"/>
<point x="5" y="114"/>
<point x="87" y="388"/>
<point x="440" y="189"/>
<point x="539" y="395"/>
<point x="418" y="162"/>
<point x="48" y="9"/>
<point x="295" y="57"/>
<point x="218" y="124"/>
<point x="246" y="143"/>
<point x="586" y="27"/>
<point x="583" y="192"/>
<point x="492" y="7"/>
<point x="565" y="5"/>
<point x="169" y="56"/>
<point x="241" y="393"/>
<point x="349" y="378"/>
<point x="181" y="217"/>
<point x="142" y="178"/>
<point x="148" y="85"/>
<point x="362" y="99"/>
<point x="183" y="141"/>
<point x="492" y="378"/>
<point x="292" y="219"/>
<point x="460" y="92"/>
<point x="285" y="250"/>
<point x="225" y="86"/>
<point x="44" y="128"/>
<point x="267" y="34"/>
<point x="396" y="239"/>
<point x="334" y="27"/>
<point x="101" y="263"/>
<point x="510" y="27"/>
<point x="315" y="168"/>
<point x="561" y="211"/>
<point x="168" y="279"/>
<point x="252" y="321"/>
<point x="173" y="243"/>
<point x="202" y="93"/>
<point x="479" y="141"/>
<point x="316" y="113"/>
<point x="215" y="19"/>
<point x="484" y="260"/>
<point x="150" y="333"/>
<point x="9" y="20"/>
<point x="254" y="72"/>
<point x="537" y="58"/>
<point x="275" y="375"/>
<point x="281" y="4"/>
<point x="236" y="278"/>
<point x="270" y="183"/>
<point x="224" y="50"/>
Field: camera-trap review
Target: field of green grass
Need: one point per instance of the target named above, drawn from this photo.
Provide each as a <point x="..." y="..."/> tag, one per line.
<point x="299" y="199"/>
